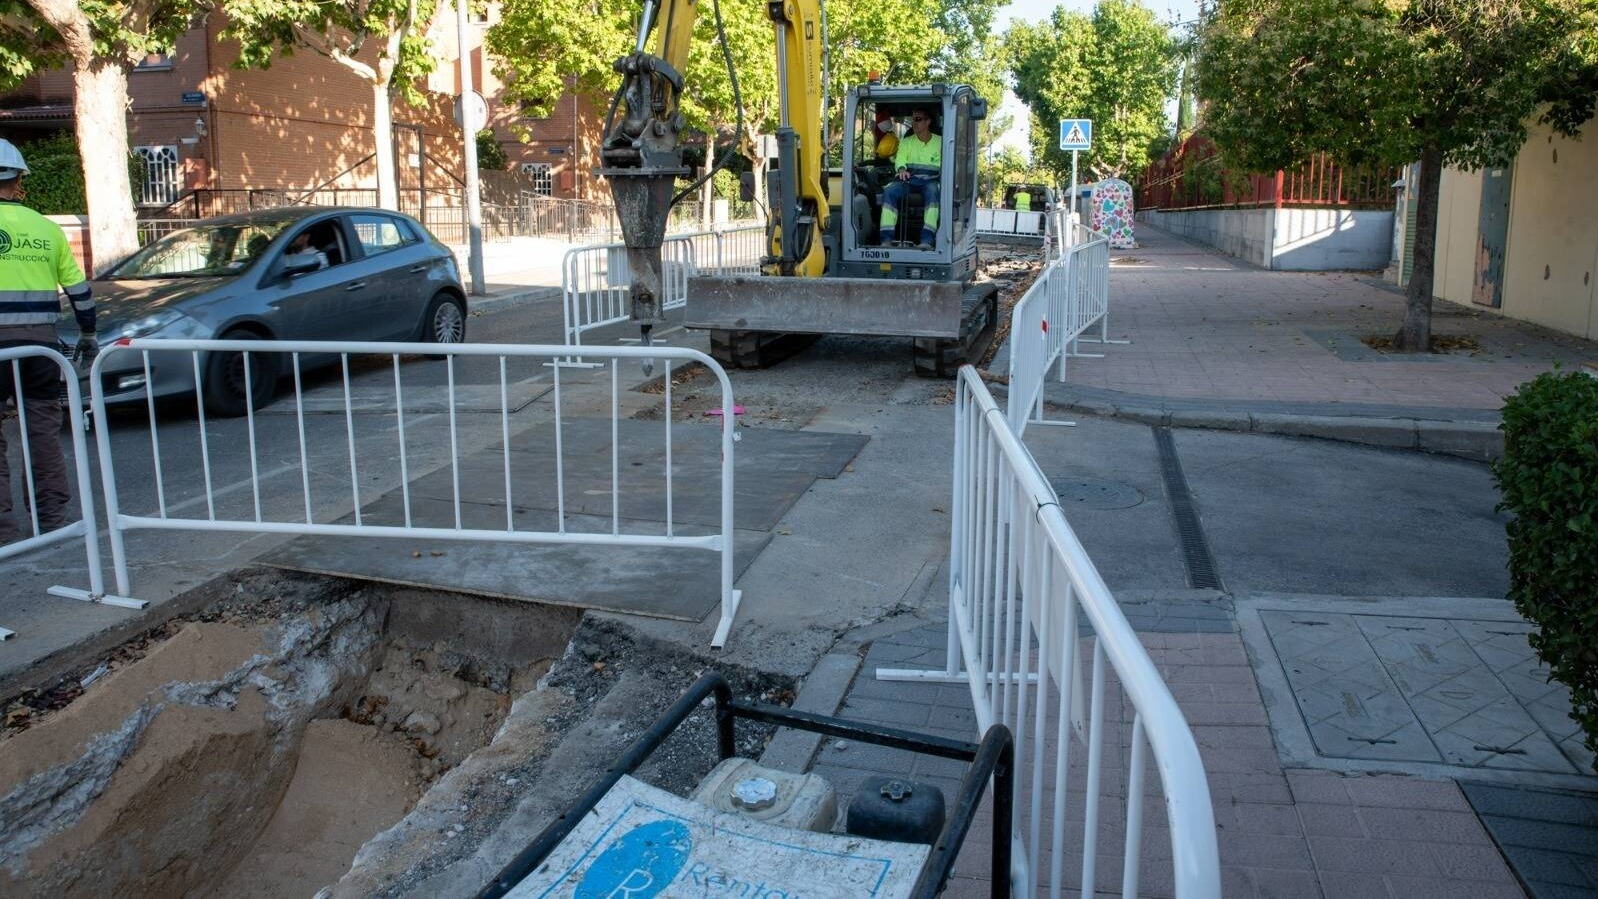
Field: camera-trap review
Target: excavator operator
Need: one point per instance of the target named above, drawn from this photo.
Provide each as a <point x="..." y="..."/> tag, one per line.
<point x="917" y="164"/>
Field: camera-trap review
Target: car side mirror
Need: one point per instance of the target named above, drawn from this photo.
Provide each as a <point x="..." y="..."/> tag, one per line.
<point x="746" y="186"/>
<point x="300" y="263"/>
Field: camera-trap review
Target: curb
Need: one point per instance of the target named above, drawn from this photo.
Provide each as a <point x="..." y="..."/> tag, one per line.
<point x="515" y="296"/>
<point x="1477" y="441"/>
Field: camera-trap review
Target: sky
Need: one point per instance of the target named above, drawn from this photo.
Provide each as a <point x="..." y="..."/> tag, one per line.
<point x="1037" y="10"/>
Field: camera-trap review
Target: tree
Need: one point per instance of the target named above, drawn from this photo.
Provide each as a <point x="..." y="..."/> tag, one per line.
<point x="341" y="30"/>
<point x="101" y="41"/>
<point x="1448" y="82"/>
<point x="544" y="47"/>
<point x="490" y="155"/>
<point x="1116" y="67"/>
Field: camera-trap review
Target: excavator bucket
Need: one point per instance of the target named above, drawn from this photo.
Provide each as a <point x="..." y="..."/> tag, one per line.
<point x="825" y="306"/>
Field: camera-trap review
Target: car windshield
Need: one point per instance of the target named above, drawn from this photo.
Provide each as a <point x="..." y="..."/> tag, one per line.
<point x="203" y="251"/>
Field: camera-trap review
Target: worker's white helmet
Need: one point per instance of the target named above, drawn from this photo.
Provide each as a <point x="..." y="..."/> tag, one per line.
<point x="12" y="165"/>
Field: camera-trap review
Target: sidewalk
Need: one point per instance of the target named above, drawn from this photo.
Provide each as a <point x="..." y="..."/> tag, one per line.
<point x="1218" y="343"/>
<point x="1362" y="746"/>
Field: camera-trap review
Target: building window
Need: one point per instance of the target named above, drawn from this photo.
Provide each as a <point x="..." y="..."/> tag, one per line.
<point x="543" y="177"/>
<point x="154" y="62"/>
<point x="162" y="175"/>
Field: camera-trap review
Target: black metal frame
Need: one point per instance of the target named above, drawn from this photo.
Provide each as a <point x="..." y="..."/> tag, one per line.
<point x="993" y="758"/>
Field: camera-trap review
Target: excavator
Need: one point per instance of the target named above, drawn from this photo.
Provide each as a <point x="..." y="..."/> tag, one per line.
<point x="832" y="268"/>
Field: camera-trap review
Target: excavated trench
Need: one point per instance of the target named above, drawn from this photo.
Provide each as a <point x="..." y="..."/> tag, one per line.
<point x="253" y="748"/>
<point x="315" y="736"/>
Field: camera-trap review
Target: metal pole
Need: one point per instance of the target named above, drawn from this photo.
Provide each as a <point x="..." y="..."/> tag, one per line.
<point x="1075" y="212"/>
<point x="474" y="209"/>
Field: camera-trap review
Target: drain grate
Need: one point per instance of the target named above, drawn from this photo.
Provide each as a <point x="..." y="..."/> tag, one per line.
<point x="1201" y="573"/>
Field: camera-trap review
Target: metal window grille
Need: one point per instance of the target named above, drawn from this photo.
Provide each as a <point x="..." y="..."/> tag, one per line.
<point x="543" y="177"/>
<point x="161" y="179"/>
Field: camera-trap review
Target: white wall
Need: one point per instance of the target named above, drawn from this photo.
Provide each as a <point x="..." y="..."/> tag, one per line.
<point x="1288" y="239"/>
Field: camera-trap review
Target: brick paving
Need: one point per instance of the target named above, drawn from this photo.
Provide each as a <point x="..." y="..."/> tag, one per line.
<point x="1282" y="832"/>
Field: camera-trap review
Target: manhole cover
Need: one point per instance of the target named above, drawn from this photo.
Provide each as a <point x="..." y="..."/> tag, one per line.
<point x="1087" y="493"/>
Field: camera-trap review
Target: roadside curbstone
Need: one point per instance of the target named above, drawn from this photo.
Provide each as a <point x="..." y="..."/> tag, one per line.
<point x="1395" y="433"/>
<point x="1479" y="441"/>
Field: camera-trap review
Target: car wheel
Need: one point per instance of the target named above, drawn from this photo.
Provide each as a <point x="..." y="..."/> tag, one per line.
<point x="445" y="321"/>
<point x="223" y="392"/>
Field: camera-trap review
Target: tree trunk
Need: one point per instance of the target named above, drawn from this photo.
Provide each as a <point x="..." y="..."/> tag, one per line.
<point x="383" y="136"/>
<point x="100" y="111"/>
<point x="1415" y="335"/>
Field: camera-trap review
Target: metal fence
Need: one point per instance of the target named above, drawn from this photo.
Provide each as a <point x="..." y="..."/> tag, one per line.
<point x="1020" y="588"/>
<point x="229" y="490"/>
<point x="595" y="279"/>
<point x="1070" y="295"/>
<point x="36" y="537"/>
<point x="1009" y="223"/>
<point x="1192" y="176"/>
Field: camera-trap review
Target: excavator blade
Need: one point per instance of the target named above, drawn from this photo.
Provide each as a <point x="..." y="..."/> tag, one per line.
<point x="899" y="308"/>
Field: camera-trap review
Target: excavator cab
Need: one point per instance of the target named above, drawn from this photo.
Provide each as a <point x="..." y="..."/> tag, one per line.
<point x="882" y="276"/>
<point x="870" y="244"/>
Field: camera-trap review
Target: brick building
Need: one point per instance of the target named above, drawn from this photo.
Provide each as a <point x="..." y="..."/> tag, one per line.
<point x="210" y="132"/>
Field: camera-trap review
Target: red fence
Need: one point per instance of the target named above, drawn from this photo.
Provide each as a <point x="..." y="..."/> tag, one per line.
<point x="1192" y="177"/>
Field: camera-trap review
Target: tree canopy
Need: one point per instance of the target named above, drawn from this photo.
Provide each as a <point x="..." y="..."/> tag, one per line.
<point x="1447" y="82"/>
<point x="1116" y="67"/>
<point x="102" y="41"/>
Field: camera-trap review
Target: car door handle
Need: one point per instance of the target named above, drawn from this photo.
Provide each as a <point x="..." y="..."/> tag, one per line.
<point x="355" y="285"/>
<point x="419" y="268"/>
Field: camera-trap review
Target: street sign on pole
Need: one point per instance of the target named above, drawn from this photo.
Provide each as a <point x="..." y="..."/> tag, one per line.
<point x="1076" y="134"/>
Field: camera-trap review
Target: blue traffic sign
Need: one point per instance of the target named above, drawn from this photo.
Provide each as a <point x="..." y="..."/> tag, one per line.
<point x="1076" y="134"/>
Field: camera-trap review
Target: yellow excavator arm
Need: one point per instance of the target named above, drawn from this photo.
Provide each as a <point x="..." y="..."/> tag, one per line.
<point x="641" y="154"/>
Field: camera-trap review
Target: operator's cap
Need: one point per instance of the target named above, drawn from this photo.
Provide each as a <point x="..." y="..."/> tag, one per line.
<point x="12" y="165"/>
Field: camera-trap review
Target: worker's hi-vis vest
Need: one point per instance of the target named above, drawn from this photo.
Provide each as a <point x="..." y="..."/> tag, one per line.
<point x="1023" y="202"/>
<point x="35" y="264"/>
<point x="924" y="160"/>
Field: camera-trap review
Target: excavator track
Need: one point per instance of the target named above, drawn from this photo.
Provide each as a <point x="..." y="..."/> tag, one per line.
<point x="756" y="349"/>
<point x="979" y="320"/>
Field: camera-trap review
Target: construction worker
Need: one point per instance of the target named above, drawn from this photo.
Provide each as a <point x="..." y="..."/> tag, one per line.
<point x="35" y="264"/>
<point x="1023" y="201"/>
<point x="917" y="163"/>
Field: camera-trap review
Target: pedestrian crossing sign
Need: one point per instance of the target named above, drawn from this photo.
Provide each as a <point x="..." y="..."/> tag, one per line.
<point x="1076" y="134"/>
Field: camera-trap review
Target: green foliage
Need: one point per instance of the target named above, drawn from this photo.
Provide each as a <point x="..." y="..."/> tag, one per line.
<point x="1116" y="67"/>
<point x="1548" y="479"/>
<point x="55" y="175"/>
<point x="542" y="47"/>
<point x="339" y="30"/>
<point x="1377" y="82"/>
<point x="122" y="30"/>
<point x="490" y="155"/>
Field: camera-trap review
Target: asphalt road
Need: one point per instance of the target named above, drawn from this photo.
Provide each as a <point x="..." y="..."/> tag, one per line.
<point x="1278" y="514"/>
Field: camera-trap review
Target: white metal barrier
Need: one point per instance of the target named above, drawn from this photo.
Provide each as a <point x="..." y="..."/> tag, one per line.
<point x="341" y="465"/>
<point x="1070" y="295"/>
<point x="84" y="528"/>
<point x="1010" y="222"/>
<point x="1020" y="584"/>
<point x="595" y="279"/>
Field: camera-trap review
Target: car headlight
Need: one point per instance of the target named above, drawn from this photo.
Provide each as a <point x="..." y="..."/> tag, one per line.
<point x="149" y="324"/>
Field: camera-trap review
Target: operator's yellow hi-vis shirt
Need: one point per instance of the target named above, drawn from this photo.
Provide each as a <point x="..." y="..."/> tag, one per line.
<point x="35" y="262"/>
<point x="924" y="158"/>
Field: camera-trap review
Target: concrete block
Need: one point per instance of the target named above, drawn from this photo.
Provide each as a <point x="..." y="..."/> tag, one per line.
<point x="1351" y="885"/>
<point x="1214" y="421"/>
<point x="1480" y="862"/>
<point x="1326" y="787"/>
<point x="1477" y="441"/>
<point x="1406" y="792"/>
<point x="1331" y="820"/>
<point x="1449" y="888"/>
<point x="1259" y="850"/>
<point x="1394" y="433"/>
<point x="1436" y="826"/>
<point x="1373" y="856"/>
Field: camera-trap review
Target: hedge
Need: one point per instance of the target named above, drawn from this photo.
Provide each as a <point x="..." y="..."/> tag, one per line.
<point x="55" y="175"/>
<point x="1548" y="480"/>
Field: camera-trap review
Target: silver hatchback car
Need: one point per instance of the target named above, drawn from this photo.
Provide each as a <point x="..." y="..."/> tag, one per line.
<point x="296" y="273"/>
